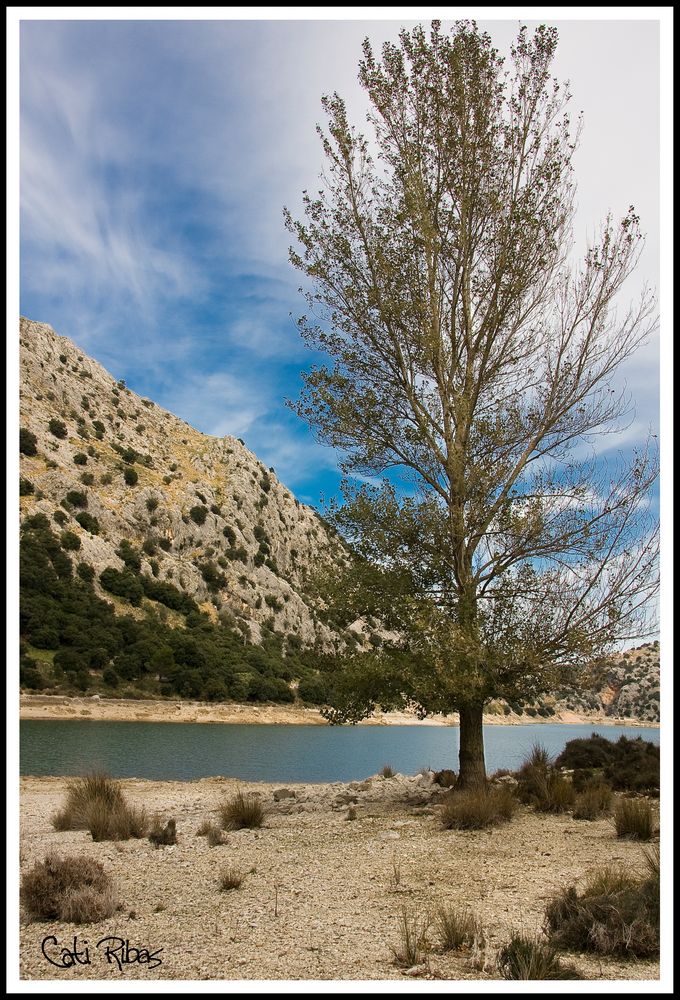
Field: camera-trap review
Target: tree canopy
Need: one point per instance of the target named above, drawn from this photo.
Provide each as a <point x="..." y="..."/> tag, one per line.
<point x="473" y="367"/>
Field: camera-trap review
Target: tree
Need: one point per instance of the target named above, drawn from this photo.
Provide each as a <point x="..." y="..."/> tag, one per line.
<point x="472" y="365"/>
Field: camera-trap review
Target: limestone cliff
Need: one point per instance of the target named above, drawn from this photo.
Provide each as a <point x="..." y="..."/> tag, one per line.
<point x="204" y="511"/>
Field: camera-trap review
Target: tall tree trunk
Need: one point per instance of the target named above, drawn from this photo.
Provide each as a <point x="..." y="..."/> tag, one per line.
<point x="471" y="753"/>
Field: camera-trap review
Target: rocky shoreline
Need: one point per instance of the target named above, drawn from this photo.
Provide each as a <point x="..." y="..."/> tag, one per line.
<point x="98" y="709"/>
<point x="322" y="896"/>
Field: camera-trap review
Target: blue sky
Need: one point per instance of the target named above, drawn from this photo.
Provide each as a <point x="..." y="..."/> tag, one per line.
<point x="157" y="156"/>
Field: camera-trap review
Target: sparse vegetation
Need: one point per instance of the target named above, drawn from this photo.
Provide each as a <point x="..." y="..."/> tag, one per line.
<point x="58" y="428"/>
<point x="198" y="514"/>
<point x="627" y="764"/>
<point x="387" y="771"/>
<point x="88" y="522"/>
<point x="71" y="889"/>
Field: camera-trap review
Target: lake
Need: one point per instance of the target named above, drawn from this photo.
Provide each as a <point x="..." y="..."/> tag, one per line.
<point x="182" y="752"/>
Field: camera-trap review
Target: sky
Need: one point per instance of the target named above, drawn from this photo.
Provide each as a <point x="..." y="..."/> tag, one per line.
<point x="157" y="157"/>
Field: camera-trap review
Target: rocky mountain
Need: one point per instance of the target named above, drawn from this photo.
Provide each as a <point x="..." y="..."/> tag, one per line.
<point x="203" y="512"/>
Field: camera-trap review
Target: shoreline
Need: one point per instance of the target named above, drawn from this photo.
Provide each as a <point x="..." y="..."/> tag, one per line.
<point x="95" y="709"/>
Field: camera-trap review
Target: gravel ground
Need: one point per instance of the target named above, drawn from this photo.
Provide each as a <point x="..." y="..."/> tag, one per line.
<point x="323" y="896"/>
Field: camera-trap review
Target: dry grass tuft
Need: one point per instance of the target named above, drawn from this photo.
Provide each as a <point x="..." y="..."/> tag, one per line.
<point x="540" y="785"/>
<point x="387" y="771"/>
<point x="594" y="801"/>
<point x="72" y="889"/>
<point x="231" y="878"/>
<point x="457" y="928"/>
<point x="242" y="812"/>
<point x="526" y="957"/>
<point x="477" y="808"/>
<point x="96" y="803"/>
<point x="634" y="819"/>
<point x="160" y="835"/>
<point x="413" y="945"/>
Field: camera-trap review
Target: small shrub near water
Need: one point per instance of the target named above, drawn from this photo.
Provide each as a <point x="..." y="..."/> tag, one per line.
<point x="540" y="785"/>
<point x="387" y="771"/>
<point x="242" y="811"/>
<point x="477" y="808"/>
<point x="526" y="957"/>
<point x="445" y="779"/>
<point x="72" y="889"/>
<point x="634" y="819"/>
<point x="96" y="803"/>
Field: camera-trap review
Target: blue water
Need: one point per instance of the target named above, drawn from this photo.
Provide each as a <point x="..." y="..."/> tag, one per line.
<point x="182" y="752"/>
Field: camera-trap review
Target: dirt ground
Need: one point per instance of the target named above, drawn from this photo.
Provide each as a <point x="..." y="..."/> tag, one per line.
<point x="323" y="896"/>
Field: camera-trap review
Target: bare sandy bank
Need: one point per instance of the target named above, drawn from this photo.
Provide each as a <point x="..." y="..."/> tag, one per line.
<point x="132" y="710"/>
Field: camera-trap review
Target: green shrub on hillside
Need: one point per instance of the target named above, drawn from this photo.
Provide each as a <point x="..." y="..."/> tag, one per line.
<point x="27" y="442"/>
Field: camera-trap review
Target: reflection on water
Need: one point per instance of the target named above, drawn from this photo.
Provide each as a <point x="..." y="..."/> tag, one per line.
<point x="184" y="751"/>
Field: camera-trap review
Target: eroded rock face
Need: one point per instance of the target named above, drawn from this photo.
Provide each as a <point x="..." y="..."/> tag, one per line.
<point x="205" y="513"/>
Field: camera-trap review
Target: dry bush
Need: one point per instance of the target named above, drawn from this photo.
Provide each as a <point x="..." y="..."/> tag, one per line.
<point x="594" y="801"/>
<point x="446" y="778"/>
<point x="616" y="914"/>
<point x="477" y="808"/>
<point x="634" y="819"/>
<point x="162" y="835"/>
<point x="96" y="803"/>
<point x="242" y="811"/>
<point x="413" y="945"/>
<point x="457" y="928"/>
<point x="73" y="889"/>
<point x="526" y="957"/>
<point x="230" y="878"/>
<point x="387" y="771"/>
<point x="205" y="827"/>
